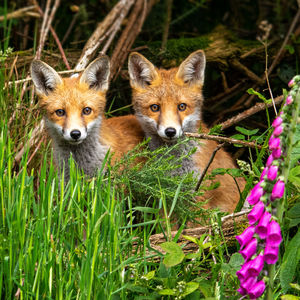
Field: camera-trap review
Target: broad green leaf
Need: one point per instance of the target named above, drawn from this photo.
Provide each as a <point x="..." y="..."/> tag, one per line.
<point x="149" y="275"/>
<point x="294" y="215"/>
<point x="246" y="131"/>
<point x="193" y="255"/>
<point x="290" y="262"/>
<point x="174" y="254"/>
<point x="294" y="176"/>
<point x="191" y="239"/>
<point x="216" y="129"/>
<point x="295" y="286"/>
<point x="146" y="209"/>
<point x="238" y="136"/>
<point x="295" y="155"/>
<point x="236" y="260"/>
<point x="289" y="297"/>
<point x="190" y="287"/>
<point x="218" y="171"/>
<point x="167" y="292"/>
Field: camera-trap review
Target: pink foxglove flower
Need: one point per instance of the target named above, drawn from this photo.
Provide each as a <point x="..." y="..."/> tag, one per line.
<point x="277" y="122"/>
<point x="256" y="212"/>
<point x="278" y="190"/>
<point x="246" y="236"/>
<point x="274" y="143"/>
<point x="255" y="194"/>
<point x="243" y="274"/>
<point x="250" y="249"/>
<point x="289" y="100"/>
<point x="277" y="153"/>
<point x="263" y="173"/>
<point x="278" y="130"/>
<point x="272" y="173"/>
<point x="242" y="291"/>
<point x="263" y="224"/>
<point x="257" y="290"/>
<point x="271" y="254"/>
<point x="270" y="160"/>
<point x="274" y="237"/>
<point x="249" y="283"/>
<point x="256" y="265"/>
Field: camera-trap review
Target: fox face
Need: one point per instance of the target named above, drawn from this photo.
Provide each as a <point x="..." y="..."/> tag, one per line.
<point x="73" y="106"/>
<point x="167" y="102"/>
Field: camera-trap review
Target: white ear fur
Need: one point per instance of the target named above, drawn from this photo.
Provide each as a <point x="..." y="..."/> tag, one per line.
<point x="192" y="68"/>
<point x="141" y="71"/>
<point x="96" y="75"/>
<point x="44" y="77"/>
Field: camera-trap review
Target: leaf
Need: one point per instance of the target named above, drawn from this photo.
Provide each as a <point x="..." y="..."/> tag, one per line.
<point x="191" y="239"/>
<point x="149" y="275"/>
<point x="290" y="262"/>
<point x="137" y="288"/>
<point x="218" y="171"/>
<point x="294" y="215"/>
<point x="167" y="292"/>
<point x="290" y="48"/>
<point x="295" y="286"/>
<point x="236" y="260"/>
<point x="295" y="155"/>
<point x="238" y="136"/>
<point x="259" y="95"/>
<point x="246" y="131"/>
<point x="294" y="176"/>
<point x="190" y="288"/>
<point x="289" y="297"/>
<point x="146" y="209"/>
<point x="215" y="130"/>
<point x="174" y="254"/>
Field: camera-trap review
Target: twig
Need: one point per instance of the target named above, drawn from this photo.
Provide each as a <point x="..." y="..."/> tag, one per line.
<point x="223" y="139"/>
<point x="249" y="112"/>
<point x="167" y="25"/>
<point x="20" y="13"/>
<point x="207" y="166"/>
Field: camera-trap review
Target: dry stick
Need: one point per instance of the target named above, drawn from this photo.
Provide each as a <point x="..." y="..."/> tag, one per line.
<point x="59" y="44"/>
<point x="217" y="138"/>
<point x="96" y="38"/>
<point x="207" y="166"/>
<point x="20" y="13"/>
<point x="167" y="25"/>
<point x="249" y="112"/>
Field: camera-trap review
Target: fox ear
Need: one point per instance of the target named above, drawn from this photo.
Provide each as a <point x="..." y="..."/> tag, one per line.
<point x="141" y="71"/>
<point x="44" y="77"/>
<point x="192" y="68"/>
<point x="96" y="75"/>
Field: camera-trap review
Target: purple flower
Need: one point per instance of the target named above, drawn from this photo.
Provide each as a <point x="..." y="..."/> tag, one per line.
<point x="246" y="236"/>
<point x="256" y="212"/>
<point x="274" y="237"/>
<point x="271" y="254"/>
<point x="250" y="249"/>
<point x="277" y="153"/>
<point x="278" y="190"/>
<point x="255" y="194"/>
<point x="291" y="83"/>
<point x="243" y="274"/>
<point x="278" y="130"/>
<point x="274" y="143"/>
<point x="270" y="160"/>
<point x="272" y="173"/>
<point x="263" y="173"/>
<point x="257" y="290"/>
<point x="256" y="265"/>
<point x="277" y="122"/>
<point x="242" y="291"/>
<point x="289" y="99"/>
<point x="248" y="284"/>
<point x="263" y="224"/>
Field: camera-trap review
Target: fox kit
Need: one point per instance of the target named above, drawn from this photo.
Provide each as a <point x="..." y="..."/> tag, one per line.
<point x="74" y="116"/>
<point x="167" y="104"/>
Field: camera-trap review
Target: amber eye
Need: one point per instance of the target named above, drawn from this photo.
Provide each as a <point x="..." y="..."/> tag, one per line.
<point x="155" y="107"/>
<point x="60" y="112"/>
<point x="181" y="106"/>
<point x="86" y="110"/>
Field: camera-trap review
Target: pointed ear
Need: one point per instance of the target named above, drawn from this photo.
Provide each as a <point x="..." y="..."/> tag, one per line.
<point x="96" y="75"/>
<point x="141" y="71"/>
<point x="192" y="68"/>
<point x="44" y="77"/>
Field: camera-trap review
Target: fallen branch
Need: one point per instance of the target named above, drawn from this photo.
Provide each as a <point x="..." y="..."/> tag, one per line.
<point x="222" y="139"/>
<point x="21" y="13"/>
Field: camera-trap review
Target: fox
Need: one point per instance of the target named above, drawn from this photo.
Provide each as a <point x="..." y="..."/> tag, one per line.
<point x="168" y="103"/>
<point x="73" y="110"/>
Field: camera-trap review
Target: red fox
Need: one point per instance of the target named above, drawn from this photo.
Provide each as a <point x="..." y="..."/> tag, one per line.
<point x="74" y="116"/>
<point x="167" y="104"/>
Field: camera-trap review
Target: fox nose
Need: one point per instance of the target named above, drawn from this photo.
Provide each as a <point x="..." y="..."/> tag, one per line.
<point x="170" y="132"/>
<point x="75" y="134"/>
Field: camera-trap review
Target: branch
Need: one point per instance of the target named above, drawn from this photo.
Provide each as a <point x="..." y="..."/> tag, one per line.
<point x="20" y="13"/>
<point x="222" y="139"/>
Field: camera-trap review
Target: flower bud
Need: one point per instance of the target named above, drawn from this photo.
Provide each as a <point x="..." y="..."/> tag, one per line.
<point x="274" y="143"/>
<point x="271" y="254"/>
<point x="256" y="212"/>
<point x="274" y="237"/>
<point x="291" y="83"/>
<point x="289" y="99"/>
<point x="263" y="173"/>
<point x="278" y="190"/>
<point x="272" y="173"/>
<point x="257" y="290"/>
<point x="270" y="160"/>
<point x="277" y="153"/>
<point x="277" y="122"/>
<point x="278" y="130"/>
<point x="255" y="194"/>
<point x="249" y="250"/>
<point x="262" y="226"/>
<point x="256" y="265"/>
<point x="246" y="236"/>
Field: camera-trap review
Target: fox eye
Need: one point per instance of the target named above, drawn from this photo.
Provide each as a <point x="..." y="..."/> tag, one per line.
<point x="181" y="106"/>
<point x="60" y="112"/>
<point x="155" y="107"/>
<point x="86" y="110"/>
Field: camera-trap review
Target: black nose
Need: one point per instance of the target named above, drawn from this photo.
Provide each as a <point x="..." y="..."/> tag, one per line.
<point x="170" y="132"/>
<point x="75" y="134"/>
